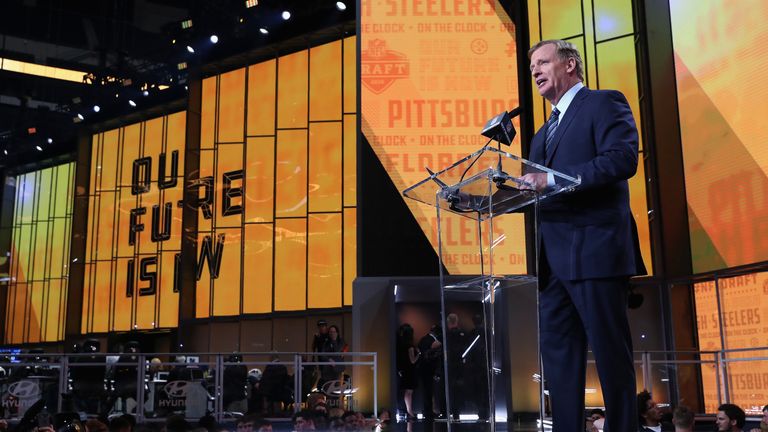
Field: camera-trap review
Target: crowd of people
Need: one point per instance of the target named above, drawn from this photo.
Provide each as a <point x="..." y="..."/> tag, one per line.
<point x="652" y="418"/>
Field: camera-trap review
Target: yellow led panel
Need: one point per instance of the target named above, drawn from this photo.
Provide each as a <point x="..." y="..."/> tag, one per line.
<point x="325" y="63"/>
<point x="290" y="264"/>
<point x="350" y="159"/>
<point x="639" y="205"/>
<point x="292" y="90"/>
<point x="203" y="289"/>
<point x="207" y="159"/>
<point x="231" y="106"/>
<point x="617" y="70"/>
<point x="226" y="289"/>
<point x="208" y="113"/>
<point x="101" y="293"/>
<point x="168" y="304"/>
<point x="123" y="305"/>
<point x="229" y="161"/>
<point x="176" y="138"/>
<point x="613" y="18"/>
<point x="56" y="302"/>
<point x="325" y="171"/>
<point x="260" y="179"/>
<point x="261" y="98"/>
<point x="108" y="166"/>
<point x="129" y="153"/>
<point x="350" y="74"/>
<point x="291" y="173"/>
<point x="560" y="18"/>
<point x="257" y="269"/>
<point x="132" y="228"/>
<point x="324" y="278"/>
<point x="350" y="252"/>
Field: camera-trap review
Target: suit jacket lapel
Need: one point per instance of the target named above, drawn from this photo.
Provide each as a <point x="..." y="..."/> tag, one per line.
<point x="570" y="113"/>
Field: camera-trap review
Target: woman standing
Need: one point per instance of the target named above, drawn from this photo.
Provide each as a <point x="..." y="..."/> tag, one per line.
<point x="333" y="344"/>
<point x="407" y="356"/>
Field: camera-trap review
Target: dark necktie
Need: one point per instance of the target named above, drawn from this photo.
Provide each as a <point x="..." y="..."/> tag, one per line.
<point x="551" y="128"/>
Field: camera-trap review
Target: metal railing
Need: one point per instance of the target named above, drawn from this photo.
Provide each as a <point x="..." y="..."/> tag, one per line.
<point x="192" y="384"/>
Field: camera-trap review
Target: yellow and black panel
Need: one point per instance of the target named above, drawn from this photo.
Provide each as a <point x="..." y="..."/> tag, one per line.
<point x="134" y="226"/>
<point x="278" y="152"/>
<point x="38" y="257"/>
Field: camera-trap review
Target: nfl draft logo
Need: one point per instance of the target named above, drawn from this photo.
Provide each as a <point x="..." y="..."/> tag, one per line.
<point x="380" y="67"/>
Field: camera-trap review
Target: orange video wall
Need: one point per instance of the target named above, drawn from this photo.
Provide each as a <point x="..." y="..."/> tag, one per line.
<point x="742" y="316"/>
<point x="134" y="226"/>
<point x="719" y="50"/>
<point x="38" y="272"/>
<point x="278" y="173"/>
<point x="432" y="75"/>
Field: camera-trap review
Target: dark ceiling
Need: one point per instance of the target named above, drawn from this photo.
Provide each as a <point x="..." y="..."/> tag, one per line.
<point x="125" y="45"/>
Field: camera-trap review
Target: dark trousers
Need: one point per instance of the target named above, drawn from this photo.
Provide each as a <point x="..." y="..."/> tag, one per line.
<point x="574" y="313"/>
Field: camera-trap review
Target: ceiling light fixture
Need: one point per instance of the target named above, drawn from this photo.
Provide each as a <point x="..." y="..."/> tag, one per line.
<point x="96" y="108"/>
<point x="214" y="39"/>
<point x="131" y="103"/>
<point x="286" y="15"/>
<point x="263" y="30"/>
<point x="340" y="5"/>
<point x="80" y="116"/>
<point x="190" y="49"/>
<point x="50" y="140"/>
<point x="39" y="148"/>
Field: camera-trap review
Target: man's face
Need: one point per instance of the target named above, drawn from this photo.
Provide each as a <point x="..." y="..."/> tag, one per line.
<point x="265" y="428"/>
<point x="301" y="424"/>
<point x="723" y="422"/>
<point x="323" y="329"/>
<point x="653" y="414"/>
<point x="765" y="416"/>
<point x="245" y="427"/>
<point x="550" y="73"/>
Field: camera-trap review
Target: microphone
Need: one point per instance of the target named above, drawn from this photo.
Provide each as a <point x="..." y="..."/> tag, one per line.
<point x="500" y="126"/>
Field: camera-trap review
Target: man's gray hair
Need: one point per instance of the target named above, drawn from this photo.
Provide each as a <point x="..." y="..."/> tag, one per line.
<point x="565" y="50"/>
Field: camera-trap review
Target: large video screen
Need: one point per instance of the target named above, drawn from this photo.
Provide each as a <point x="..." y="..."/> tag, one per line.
<point x="737" y="322"/>
<point x="38" y="275"/>
<point x="719" y="52"/>
<point x="432" y="75"/>
<point x="134" y="226"/>
<point x="277" y="176"/>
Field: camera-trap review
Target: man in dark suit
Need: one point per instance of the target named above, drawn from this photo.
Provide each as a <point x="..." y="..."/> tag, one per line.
<point x="589" y="245"/>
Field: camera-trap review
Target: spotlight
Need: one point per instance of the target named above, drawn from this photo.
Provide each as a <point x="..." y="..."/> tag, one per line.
<point x="173" y="41"/>
<point x="131" y="103"/>
<point x="263" y="30"/>
<point x="39" y="148"/>
<point x="251" y="3"/>
<point x="117" y="95"/>
<point x="214" y="39"/>
<point x="96" y="108"/>
<point x="190" y="49"/>
<point x="340" y="5"/>
<point x="146" y="93"/>
<point x="50" y="140"/>
<point x="80" y="116"/>
<point x="286" y="15"/>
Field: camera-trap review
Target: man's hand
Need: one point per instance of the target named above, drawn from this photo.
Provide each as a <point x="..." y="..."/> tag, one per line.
<point x="537" y="180"/>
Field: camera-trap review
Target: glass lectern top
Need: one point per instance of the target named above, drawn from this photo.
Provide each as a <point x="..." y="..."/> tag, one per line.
<point x="486" y="183"/>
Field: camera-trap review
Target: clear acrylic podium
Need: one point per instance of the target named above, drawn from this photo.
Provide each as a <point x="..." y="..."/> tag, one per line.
<point x="481" y="187"/>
